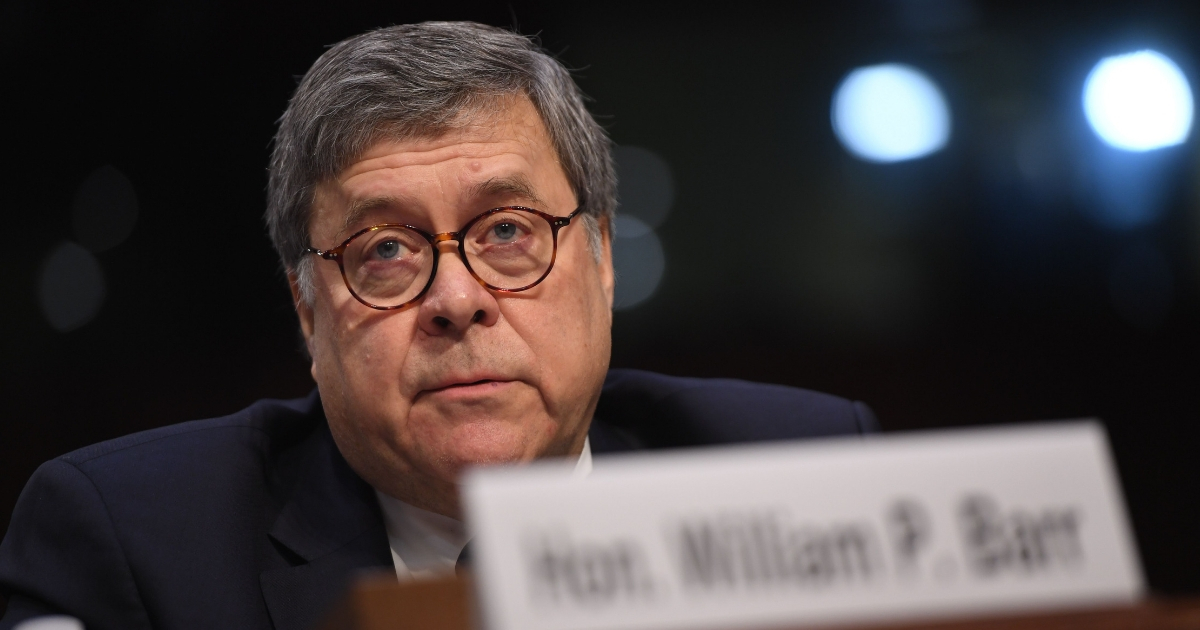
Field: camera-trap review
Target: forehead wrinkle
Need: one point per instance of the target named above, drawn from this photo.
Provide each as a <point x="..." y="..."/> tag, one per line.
<point x="431" y="151"/>
<point x="469" y="142"/>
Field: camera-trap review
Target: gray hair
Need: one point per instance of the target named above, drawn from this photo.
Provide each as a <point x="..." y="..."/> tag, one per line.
<point x="418" y="81"/>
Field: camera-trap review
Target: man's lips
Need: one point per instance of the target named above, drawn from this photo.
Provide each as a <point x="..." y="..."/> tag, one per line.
<point x="471" y="386"/>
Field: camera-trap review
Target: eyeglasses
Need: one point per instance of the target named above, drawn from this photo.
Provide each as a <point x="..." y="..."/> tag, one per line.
<point x="507" y="249"/>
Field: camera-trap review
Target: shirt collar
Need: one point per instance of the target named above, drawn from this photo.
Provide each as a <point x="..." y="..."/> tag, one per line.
<point x="425" y="544"/>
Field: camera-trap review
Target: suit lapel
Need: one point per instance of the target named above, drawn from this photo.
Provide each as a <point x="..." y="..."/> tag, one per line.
<point x="333" y="527"/>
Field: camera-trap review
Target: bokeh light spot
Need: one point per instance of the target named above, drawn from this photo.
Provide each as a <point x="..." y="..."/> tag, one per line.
<point x="645" y="188"/>
<point x="638" y="261"/>
<point x="890" y="113"/>
<point x="1138" y="101"/>
<point x="70" y="287"/>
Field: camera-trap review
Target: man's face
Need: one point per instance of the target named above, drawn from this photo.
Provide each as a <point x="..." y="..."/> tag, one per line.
<point x="465" y="375"/>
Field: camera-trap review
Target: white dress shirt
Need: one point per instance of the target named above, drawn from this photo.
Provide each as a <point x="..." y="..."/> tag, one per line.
<point x="425" y="544"/>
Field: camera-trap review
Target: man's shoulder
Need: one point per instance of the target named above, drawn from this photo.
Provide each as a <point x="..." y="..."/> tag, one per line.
<point x="266" y="425"/>
<point x="646" y="409"/>
<point x="170" y="519"/>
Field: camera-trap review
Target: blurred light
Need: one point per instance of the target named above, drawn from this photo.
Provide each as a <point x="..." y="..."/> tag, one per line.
<point x="889" y="113"/>
<point x="71" y="287"/>
<point x="1141" y="286"/>
<point x="638" y="261"/>
<point x="1138" y="102"/>
<point x="644" y="186"/>
<point x="105" y="209"/>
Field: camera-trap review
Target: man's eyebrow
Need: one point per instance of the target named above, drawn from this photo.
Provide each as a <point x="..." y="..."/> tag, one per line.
<point x="363" y="207"/>
<point x="512" y="186"/>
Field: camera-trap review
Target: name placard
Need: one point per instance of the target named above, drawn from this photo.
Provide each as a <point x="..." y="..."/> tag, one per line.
<point x="854" y="530"/>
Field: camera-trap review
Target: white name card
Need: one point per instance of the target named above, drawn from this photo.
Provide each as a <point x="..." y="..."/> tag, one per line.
<point x="887" y="528"/>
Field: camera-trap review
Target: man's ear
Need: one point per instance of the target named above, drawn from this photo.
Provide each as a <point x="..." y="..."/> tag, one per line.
<point x="303" y="310"/>
<point x="607" y="275"/>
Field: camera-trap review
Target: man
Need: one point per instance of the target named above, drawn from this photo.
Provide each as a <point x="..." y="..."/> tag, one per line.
<point x="441" y="201"/>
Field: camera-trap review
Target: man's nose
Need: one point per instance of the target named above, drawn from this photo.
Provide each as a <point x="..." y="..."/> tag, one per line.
<point x="456" y="299"/>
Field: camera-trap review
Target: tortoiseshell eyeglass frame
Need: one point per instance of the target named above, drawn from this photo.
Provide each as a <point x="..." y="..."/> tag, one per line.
<point x="337" y="253"/>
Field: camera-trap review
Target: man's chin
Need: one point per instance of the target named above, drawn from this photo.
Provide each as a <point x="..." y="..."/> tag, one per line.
<point x="487" y="443"/>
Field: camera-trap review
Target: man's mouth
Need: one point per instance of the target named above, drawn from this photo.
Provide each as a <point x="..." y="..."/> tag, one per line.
<point x="477" y="387"/>
<point x="471" y="384"/>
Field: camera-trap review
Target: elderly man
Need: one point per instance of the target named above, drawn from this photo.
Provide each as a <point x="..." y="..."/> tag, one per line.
<point x="441" y="200"/>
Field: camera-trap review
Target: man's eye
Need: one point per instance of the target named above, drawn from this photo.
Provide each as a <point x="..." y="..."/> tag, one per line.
<point x="387" y="250"/>
<point x="505" y="231"/>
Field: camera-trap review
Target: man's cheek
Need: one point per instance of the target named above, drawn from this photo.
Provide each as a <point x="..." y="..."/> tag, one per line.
<point x="369" y="354"/>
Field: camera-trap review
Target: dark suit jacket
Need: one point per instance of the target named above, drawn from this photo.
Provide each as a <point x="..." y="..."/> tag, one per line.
<point x="255" y="520"/>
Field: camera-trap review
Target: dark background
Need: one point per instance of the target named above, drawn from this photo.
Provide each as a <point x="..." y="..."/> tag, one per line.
<point x="952" y="290"/>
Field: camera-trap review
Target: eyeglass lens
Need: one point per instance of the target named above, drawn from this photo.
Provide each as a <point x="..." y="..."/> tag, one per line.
<point x="508" y="249"/>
